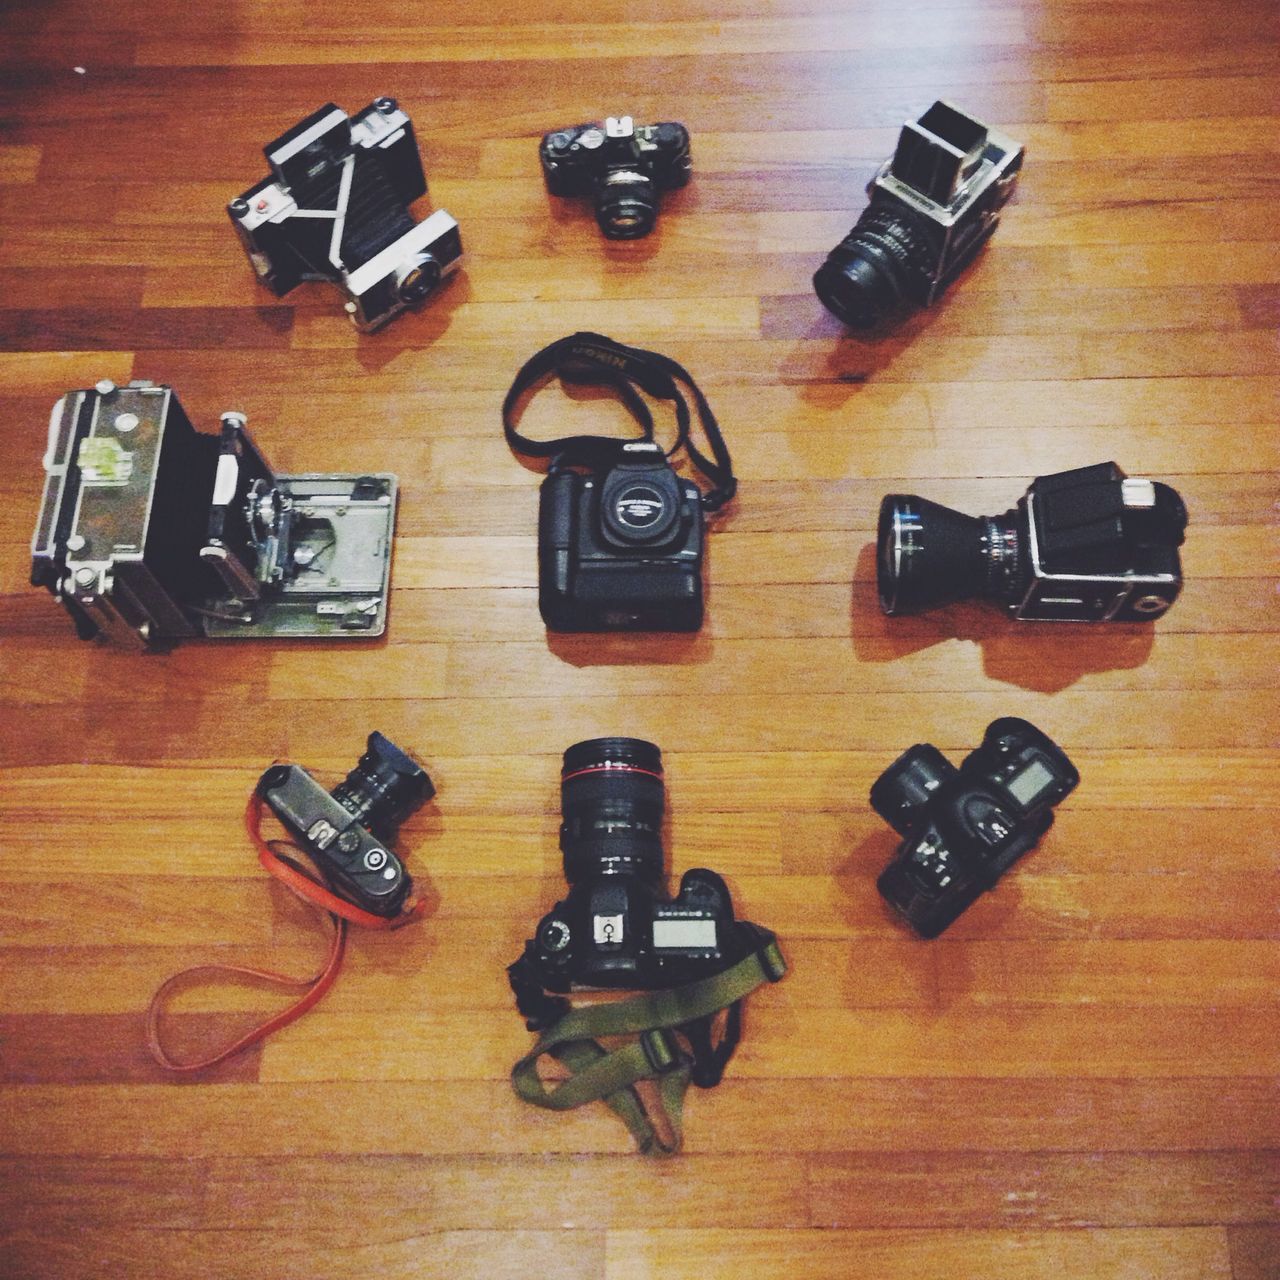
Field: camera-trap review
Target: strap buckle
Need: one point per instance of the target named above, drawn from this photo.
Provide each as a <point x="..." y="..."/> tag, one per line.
<point x="661" y="1050"/>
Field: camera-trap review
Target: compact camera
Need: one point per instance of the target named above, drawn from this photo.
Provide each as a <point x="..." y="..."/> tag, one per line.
<point x="151" y="531"/>
<point x="933" y="206"/>
<point x="618" y="928"/>
<point x="336" y="207"/>
<point x="622" y="166"/>
<point x="348" y="831"/>
<point x="621" y="548"/>
<point x="1088" y="545"/>
<point x="964" y="828"/>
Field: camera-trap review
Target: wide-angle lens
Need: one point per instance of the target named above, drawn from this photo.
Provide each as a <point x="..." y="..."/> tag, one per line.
<point x="384" y="788"/>
<point x="626" y="205"/>
<point x="904" y="788"/>
<point x="926" y="554"/>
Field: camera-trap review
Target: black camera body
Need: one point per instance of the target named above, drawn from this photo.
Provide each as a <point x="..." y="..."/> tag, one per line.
<point x="1086" y="545"/>
<point x="622" y="166"/>
<point x="617" y="927"/>
<point x="621" y="548"/>
<point x="336" y="207"/>
<point x="348" y="831"/>
<point x="964" y="828"/>
<point x="934" y="204"/>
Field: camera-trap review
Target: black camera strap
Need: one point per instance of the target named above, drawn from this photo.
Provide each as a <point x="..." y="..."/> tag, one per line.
<point x="593" y="358"/>
<point x="663" y="1023"/>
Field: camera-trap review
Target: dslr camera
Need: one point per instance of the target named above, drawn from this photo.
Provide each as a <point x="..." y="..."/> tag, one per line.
<point x="618" y="928"/>
<point x="964" y="828"/>
<point x="151" y="531"/>
<point x="348" y="831"/>
<point x="1088" y="545"/>
<point x="933" y="206"/>
<point x="622" y="166"/>
<point x="621" y="548"/>
<point x="335" y="206"/>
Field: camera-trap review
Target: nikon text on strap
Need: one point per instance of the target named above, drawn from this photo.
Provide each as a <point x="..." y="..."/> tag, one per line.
<point x="591" y="357"/>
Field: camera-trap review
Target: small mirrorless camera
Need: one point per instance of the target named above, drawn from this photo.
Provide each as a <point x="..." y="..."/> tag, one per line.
<point x="621" y="548"/>
<point x="622" y="166"/>
<point x="933" y="206"/>
<point x="151" y="531"/>
<point x="348" y="831"/>
<point x="618" y="928"/>
<point x="1088" y="545"/>
<point x="964" y="828"/>
<point x="336" y="207"/>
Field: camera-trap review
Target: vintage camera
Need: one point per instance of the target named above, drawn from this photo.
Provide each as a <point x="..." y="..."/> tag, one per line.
<point x="964" y="828"/>
<point x="348" y="831"/>
<point x="336" y="207"/>
<point x="622" y="166"/>
<point x="151" y="531"/>
<point x="1089" y="545"/>
<point x="933" y="206"/>
<point x="618" y="928"/>
<point x="621" y="548"/>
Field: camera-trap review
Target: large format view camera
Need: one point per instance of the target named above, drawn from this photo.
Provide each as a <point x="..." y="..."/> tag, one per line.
<point x="964" y="828"/>
<point x="336" y="207"/>
<point x="622" y="166"/>
<point x="1088" y="545"/>
<point x="348" y="831"/>
<point x="933" y="206"/>
<point x="151" y="531"/>
<point x="618" y="928"/>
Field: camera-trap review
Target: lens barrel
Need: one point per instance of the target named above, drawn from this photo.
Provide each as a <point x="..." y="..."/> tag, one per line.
<point x="626" y="204"/>
<point x="903" y="789"/>
<point x="384" y="788"/>
<point x="881" y="264"/>
<point x="612" y="799"/>
<point x="927" y="555"/>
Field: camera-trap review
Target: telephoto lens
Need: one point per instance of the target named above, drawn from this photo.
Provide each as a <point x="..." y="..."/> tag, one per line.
<point x="1087" y="545"/>
<point x="612" y="800"/>
<point x="384" y="788"/>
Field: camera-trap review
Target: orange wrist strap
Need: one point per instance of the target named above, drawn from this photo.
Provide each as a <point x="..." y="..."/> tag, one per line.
<point x="314" y="894"/>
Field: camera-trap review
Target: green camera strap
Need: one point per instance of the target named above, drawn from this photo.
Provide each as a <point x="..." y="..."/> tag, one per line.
<point x="597" y="1074"/>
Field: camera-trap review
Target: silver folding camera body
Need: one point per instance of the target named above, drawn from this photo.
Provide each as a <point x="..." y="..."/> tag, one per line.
<point x="336" y="207"/>
<point x="151" y="531"/>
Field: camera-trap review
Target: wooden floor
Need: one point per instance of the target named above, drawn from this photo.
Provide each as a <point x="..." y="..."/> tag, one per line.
<point x="1079" y="1079"/>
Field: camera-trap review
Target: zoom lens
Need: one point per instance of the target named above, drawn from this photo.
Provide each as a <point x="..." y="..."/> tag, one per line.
<point x="384" y="788"/>
<point x="904" y="788"/>
<point x="611" y="798"/>
<point x="879" y="265"/>
<point x="626" y="205"/>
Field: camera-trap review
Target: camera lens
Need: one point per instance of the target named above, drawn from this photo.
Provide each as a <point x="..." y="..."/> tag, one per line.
<point x="874" y="269"/>
<point x="611" y="797"/>
<point x="928" y="555"/>
<point x="384" y="788"/>
<point x="417" y="278"/>
<point x="903" y="789"/>
<point x="626" y="205"/>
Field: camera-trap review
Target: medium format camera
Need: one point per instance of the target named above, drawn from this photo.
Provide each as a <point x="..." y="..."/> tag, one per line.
<point x="964" y="828"/>
<point x="1087" y="545"/>
<point x="336" y="207"/>
<point x="151" y="531"/>
<point x="622" y="166"/>
<point x="621" y="548"/>
<point x="348" y="831"/>
<point x="933" y="206"/>
<point x="618" y="928"/>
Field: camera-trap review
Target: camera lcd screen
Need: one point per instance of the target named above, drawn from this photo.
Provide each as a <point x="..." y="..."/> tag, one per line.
<point x="1028" y="786"/>
<point x="697" y="934"/>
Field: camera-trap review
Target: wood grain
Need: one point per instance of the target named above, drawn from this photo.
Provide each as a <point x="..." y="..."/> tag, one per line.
<point x="1081" y="1078"/>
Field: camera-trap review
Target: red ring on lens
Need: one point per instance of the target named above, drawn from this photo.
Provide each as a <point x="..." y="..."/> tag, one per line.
<point x="609" y="767"/>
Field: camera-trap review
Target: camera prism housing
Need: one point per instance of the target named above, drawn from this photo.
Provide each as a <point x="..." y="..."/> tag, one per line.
<point x="933" y="205"/>
<point x="621" y="548"/>
<point x="964" y="828"/>
<point x="348" y="831"/>
<point x="621" y="165"/>
<point x="1086" y="545"/>
<point x="617" y="927"/>
<point x="151" y="531"/>
<point x="336" y="207"/>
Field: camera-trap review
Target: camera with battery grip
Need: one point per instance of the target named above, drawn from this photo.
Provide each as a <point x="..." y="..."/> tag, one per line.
<point x="620" y="533"/>
<point x="963" y="828"/>
<point x="621" y="166"/>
